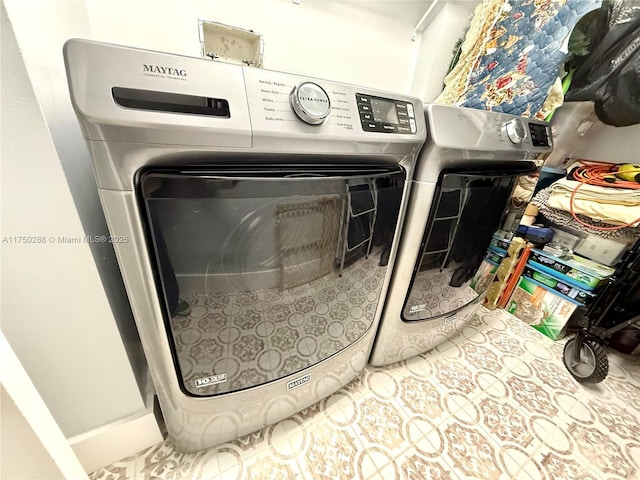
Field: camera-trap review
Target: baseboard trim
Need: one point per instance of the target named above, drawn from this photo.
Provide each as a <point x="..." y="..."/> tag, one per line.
<point x="105" y="445"/>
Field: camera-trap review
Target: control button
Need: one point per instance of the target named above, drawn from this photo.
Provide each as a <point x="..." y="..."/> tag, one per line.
<point x="363" y="99"/>
<point x="516" y="132"/>
<point x="403" y="121"/>
<point x="310" y="103"/>
<point x="366" y="117"/>
<point x="370" y="127"/>
<point x="401" y="107"/>
<point x="403" y="129"/>
<point x="410" y="110"/>
<point x="412" y="125"/>
<point x="388" y="127"/>
<point x="364" y="108"/>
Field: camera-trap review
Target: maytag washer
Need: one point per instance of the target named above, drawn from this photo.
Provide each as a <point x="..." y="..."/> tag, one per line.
<point x="463" y="190"/>
<point x="254" y="215"/>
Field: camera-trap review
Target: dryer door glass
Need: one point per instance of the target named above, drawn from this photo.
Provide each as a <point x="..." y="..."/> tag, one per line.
<point x="263" y="273"/>
<point x="456" y="265"/>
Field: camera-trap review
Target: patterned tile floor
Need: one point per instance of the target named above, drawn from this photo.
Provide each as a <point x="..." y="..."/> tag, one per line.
<point x="494" y="403"/>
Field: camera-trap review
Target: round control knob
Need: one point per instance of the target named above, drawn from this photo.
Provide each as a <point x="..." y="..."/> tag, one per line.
<point x="310" y="102"/>
<point x="516" y="130"/>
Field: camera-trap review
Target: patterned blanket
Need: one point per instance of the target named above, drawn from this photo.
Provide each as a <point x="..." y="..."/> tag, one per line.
<point x="512" y="55"/>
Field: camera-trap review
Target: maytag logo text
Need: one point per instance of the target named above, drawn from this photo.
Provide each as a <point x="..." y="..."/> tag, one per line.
<point x="160" y="71"/>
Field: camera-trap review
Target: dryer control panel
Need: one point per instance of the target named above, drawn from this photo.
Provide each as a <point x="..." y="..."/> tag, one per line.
<point x="540" y="135"/>
<point x="385" y="115"/>
<point x="494" y="133"/>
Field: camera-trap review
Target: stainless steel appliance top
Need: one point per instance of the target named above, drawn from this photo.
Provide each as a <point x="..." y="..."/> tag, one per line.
<point x="148" y="107"/>
<point x="462" y="137"/>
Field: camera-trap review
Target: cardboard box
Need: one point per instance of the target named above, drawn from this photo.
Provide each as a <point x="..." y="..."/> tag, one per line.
<point x="544" y="310"/>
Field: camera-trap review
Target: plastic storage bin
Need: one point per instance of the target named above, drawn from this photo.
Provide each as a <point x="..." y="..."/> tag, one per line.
<point x="579" y="272"/>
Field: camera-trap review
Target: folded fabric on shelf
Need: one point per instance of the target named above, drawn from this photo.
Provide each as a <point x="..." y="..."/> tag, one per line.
<point x="615" y="206"/>
<point x="563" y="218"/>
<point x="605" y="212"/>
<point x="595" y="193"/>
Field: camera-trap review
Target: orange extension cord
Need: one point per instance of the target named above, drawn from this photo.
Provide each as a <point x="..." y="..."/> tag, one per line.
<point x="595" y="173"/>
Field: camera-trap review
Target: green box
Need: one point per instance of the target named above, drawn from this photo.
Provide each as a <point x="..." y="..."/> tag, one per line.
<point x="551" y="283"/>
<point x="542" y="309"/>
<point x="580" y="272"/>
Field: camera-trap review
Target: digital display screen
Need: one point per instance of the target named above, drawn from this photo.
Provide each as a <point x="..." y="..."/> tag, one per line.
<point x="384" y="111"/>
<point x="539" y="136"/>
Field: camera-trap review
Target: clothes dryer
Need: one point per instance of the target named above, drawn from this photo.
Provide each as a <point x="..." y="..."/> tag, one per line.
<point x="464" y="189"/>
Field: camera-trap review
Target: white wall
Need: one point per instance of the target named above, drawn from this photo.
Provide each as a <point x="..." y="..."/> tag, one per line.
<point x="337" y="40"/>
<point x="577" y="133"/>
<point x="54" y="309"/>
<point x="32" y="445"/>
<point x="22" y="455"/>
<point x="436" y="46"/>
<point x="41" y="27"/>
<point x="611" y="144"/>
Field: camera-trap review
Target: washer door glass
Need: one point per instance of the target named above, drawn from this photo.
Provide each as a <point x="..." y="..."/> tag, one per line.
<point x="264" y="273"/>
<point x="456" y="265"/>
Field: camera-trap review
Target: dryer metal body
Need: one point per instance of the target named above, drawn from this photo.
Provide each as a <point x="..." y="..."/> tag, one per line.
<point x="463" y="190"/>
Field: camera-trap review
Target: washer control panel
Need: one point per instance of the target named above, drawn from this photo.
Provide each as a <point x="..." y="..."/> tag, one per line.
<point x="281" y="103"/>
<point x="385" y="115"/>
